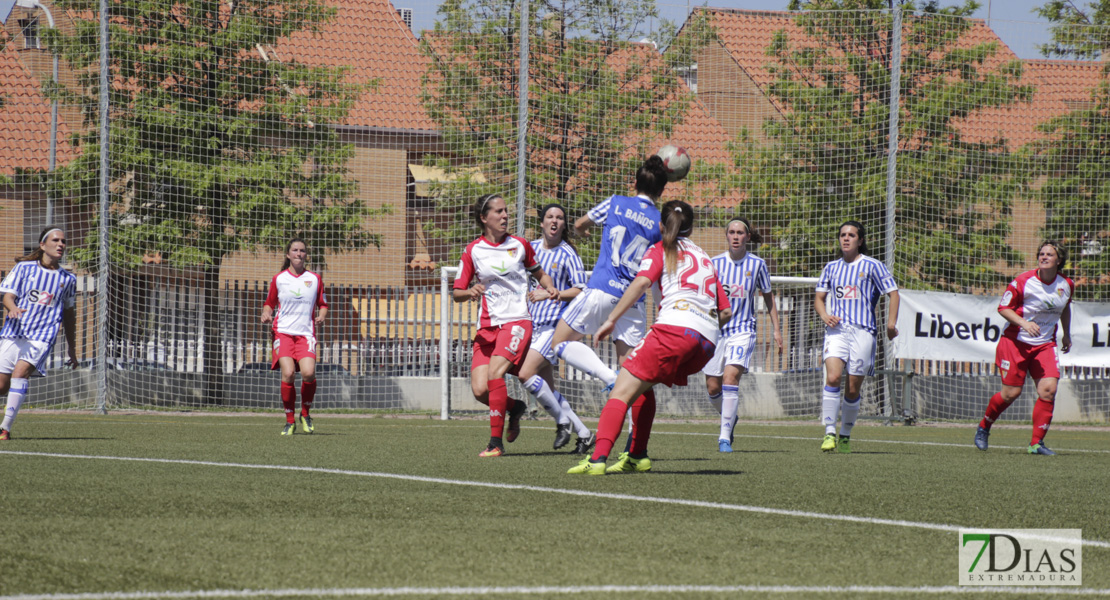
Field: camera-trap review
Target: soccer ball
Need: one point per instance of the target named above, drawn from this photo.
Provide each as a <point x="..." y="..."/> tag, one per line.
<point x="676" y="160"/>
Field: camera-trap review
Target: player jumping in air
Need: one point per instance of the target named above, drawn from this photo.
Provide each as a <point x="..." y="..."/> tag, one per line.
<point x="680" y="343"/>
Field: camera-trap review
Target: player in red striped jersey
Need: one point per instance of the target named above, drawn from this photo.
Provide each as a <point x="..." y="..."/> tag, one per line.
<point x="495" y="269"/>
<point x="679" y="344"/>
<point x="1033" y="304"/>
<point x="38" y="295"/>
<point x="298" y="296"/>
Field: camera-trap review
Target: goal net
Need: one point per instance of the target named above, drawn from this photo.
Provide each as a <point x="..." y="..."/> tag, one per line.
<point x="182" y="160"/>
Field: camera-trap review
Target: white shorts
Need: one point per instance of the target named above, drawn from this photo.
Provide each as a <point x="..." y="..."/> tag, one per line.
<point x="736" y="349"/>
<point x="31" y="351"/>
<point x="541" y="341"/>
<point x="852" y="344"/>
<point x="589" y="310"/>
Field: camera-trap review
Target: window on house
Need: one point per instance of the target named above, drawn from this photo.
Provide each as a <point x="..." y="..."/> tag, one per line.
<point x="30" y="29"/>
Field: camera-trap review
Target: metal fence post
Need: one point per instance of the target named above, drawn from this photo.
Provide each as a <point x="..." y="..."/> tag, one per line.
<point x="522" y="122"/>
<point x="105" y="199"/>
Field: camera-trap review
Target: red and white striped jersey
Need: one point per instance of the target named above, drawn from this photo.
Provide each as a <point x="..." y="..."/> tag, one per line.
<point x="1037" y="301"/>
<point x="503" y="269"/>
<point x="692" y="295"/>
<point x="296" y="299"/>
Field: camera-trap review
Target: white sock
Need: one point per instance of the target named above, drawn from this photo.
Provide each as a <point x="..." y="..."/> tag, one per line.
<point x="716" y="401"/>
<point x="568" y="412"/>
<point x="579" y="356"/>
<point x="545" y="396"/>
<point x="849" y="412"/>
<point x="16" y="393"/>
<point x="729" y="406"/>
<point x="830" y="405"/>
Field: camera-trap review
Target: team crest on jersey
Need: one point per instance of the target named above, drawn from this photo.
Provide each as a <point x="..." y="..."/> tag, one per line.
<point x="747" y="273"/>
<point x="308" y="284"/>
<point x="1060" y="292"/>
<point x="862" y="273"/>
<point x="512" y="252"/>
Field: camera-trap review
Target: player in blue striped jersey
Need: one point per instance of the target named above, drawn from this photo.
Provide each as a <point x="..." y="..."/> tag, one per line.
<point x="630" y="226"/>
<point x="742" y="275"/>
<point x="559" y="259"/>
<point x="38" y="295"/>
<point x="847" y="294"/>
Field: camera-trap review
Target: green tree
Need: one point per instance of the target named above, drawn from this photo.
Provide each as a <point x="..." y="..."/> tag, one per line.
<point x="597" y="102"/>
<point x="825" y="158"/>
<point x="1075" y="158"/>
<point x="214" y="148"/>
<point x="1079" y="30"/>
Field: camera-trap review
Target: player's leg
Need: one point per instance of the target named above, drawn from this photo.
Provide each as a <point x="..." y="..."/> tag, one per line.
<point x="308" y="391"/>
<point x="536" y="375"/>
<point x="730" y="405"/>
<point x="584" y="316"/>
<point x="288" y="367"/>
<point x="627" y="387"/>
<point x="830" y="401"/>
<point x="1012" y="366"/>
<point x="17" y="384"/>
<point x="1046" y="375"/>
<point x="861" y="364"/>
<point x="498" y="399"/>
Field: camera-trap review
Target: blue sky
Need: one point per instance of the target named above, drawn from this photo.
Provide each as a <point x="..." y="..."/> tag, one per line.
<point x="1012" y="20"/>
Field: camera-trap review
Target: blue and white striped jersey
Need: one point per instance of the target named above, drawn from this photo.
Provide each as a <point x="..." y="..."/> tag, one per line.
<point x="854" y="289"/>
<point x="631" y="226"/>
<point x="743" y="281"/>
<point x="563" y="265"/>
<point x="42" y="294"/>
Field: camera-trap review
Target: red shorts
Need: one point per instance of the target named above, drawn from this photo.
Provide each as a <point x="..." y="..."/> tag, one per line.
<point x="1017" y="359"/>
<point x="510" y="341"/>
<point x="293" y="346"/>
<point x="669" y="355"/>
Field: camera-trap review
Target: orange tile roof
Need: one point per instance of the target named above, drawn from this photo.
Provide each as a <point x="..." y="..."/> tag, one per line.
<point x="25" y="119"/>
<point x="746" y="35"/>
<point x="1067" y="83"/>
<point x="369" y="37"/>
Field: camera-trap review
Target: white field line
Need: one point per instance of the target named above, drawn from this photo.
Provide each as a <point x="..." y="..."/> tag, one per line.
<point x="520" y="591"/>
<point x="546" y="490"/>
<point x="855" y="440"/>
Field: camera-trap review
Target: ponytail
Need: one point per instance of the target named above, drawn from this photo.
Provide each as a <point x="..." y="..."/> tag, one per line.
<point x="651" y="177"/>
<point x="678" y="221"/>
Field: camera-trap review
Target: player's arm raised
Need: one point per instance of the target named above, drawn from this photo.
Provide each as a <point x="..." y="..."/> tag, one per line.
<point x="583" y="226"/>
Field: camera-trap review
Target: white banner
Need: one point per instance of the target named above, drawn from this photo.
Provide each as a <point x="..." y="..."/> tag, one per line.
<point x="961" y="327"/>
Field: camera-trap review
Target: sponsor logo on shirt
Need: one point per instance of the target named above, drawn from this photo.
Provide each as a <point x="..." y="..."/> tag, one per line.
<point x="847" y="292"/>
<point x="41" y="298"/>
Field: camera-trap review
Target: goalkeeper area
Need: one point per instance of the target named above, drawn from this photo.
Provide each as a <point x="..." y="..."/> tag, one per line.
<point x="165" y="505"/>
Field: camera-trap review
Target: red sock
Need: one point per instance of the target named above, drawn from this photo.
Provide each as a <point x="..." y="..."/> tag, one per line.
<point x="643" y="415"/>
<point x="609" y="427"/>
<point x="498" y="406"/>
<point x="994" y="410"/>
<point x="1042" y="418"/>
<point x="288" y="400"/>
<point x="308" y="392"/>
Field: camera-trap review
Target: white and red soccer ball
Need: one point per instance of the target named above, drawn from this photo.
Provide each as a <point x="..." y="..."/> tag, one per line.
<point x="676" y="160"/>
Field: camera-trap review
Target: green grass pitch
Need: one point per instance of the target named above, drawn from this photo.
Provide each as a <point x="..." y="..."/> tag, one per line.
<point x="153" y="505"/>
